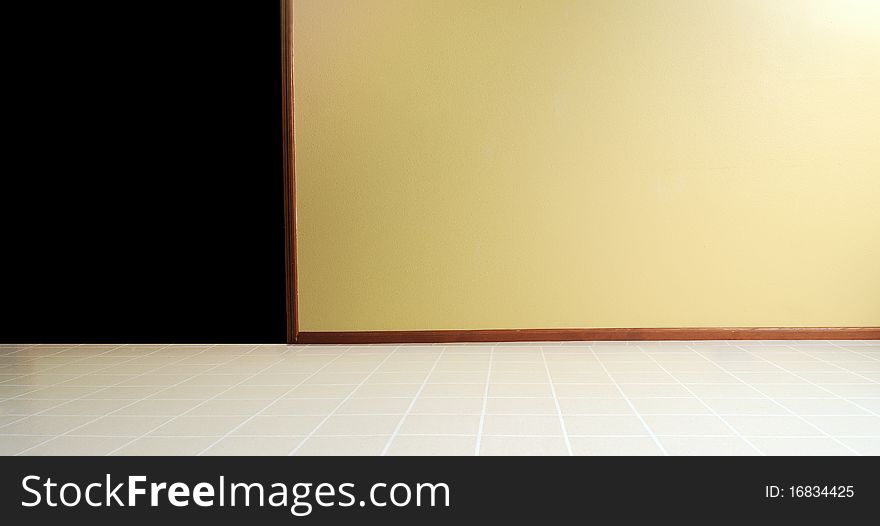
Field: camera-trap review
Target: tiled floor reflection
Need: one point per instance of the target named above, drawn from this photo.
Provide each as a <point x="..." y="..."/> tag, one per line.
<point x="572" y="398"/>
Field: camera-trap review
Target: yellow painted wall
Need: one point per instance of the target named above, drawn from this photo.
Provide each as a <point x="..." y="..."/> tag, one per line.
<point x="570" y="163"/>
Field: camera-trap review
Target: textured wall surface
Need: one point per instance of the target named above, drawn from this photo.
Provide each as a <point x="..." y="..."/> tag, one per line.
<point x="561" y="163"/>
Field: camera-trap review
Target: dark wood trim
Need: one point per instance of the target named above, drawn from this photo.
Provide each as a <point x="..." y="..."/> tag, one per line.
<point x="289" y="167"/>
<point x="538" y="335"/>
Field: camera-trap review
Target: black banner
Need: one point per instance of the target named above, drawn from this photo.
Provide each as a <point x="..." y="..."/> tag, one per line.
<point x="401" y="490"/>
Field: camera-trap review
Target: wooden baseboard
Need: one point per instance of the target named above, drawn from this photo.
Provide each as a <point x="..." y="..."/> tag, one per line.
<point x="539" y="335"/>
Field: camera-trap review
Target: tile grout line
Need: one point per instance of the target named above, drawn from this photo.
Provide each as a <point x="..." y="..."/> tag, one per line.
<point x="789" y="411"/>
<point x="411" y="404"/>
<point x="64" y="401"/>
<point x="814" y="384"/>
<point x="280" y="359"/>
<point x="583" y="413"/>
<point x="823" y="360"/>
<point x="74" y="362"/>
<point x="643" y="397"/>
<point x="860" y="353"/>
<point x="577" y="435"/>
<point x="133" y="402"/>
<point x="707" y="406"/>
<point x="629" y="402"/>
<point x="472" y="383"/>
<point x="556" y="402"/>
<point x="65" y="347"/>
<point x="861" y="413"/>
<point x="342" y="402"/>
<point x="273" y="402"/>
<point x="485" y="402"/>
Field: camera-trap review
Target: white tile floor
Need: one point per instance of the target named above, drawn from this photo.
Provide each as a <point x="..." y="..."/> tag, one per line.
<point x="573" y="398"/>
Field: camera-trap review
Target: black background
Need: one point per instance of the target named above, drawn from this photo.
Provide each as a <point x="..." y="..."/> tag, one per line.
<point x="142" y="193"/>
